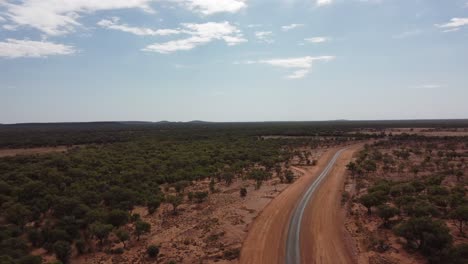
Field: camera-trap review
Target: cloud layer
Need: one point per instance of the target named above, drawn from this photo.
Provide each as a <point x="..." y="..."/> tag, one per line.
<point x="200" y="34"/>
<point x="301" y="66"/>
<point x="13" y="48"/>
<point x="454" y="24"/>
<point x="59" y="17"/>
<point x="139" y="31"/>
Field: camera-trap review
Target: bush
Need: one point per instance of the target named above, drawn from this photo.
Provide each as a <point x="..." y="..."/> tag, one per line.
<point x="152" y="251"/>
<point x="231" y="254"/>
<point x="243" y="192"/>
<point x="62" y="250"/>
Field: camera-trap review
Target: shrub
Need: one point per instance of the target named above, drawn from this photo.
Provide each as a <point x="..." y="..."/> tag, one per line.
<point x="243" y="192"/>
<point x="152" y="251"/>
<point x="62" y="250"/>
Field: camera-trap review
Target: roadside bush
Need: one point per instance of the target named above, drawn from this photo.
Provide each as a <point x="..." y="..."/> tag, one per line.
<point x="152" y="251"/>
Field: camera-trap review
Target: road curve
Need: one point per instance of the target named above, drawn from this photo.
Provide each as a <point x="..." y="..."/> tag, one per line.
<point x="293" y="246"/>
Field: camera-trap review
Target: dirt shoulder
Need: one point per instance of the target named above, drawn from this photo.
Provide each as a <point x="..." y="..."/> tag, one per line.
<point x="265" y="242"/>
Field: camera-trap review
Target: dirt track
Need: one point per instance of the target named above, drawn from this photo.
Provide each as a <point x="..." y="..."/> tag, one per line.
<point x="322" y="236"/>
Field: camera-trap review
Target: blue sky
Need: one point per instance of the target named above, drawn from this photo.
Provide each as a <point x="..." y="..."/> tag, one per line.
<point x="232" y="60"/>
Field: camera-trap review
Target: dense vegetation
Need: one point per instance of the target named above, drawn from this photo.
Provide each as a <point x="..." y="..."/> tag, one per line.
<point x="54" y="134"/>
<point x="416" y="185"/>
<point x="74" y="201"/>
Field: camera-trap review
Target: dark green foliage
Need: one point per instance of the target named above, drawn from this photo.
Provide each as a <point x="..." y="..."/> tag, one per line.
<point x="175" y="201"/>
<point x="141" y="228"/>
<point x="153" y="204"/>
<point x="200" y="197"/>
<point x="152" y="251"/>
<point x="289" y="176"/>
<point x="100" y="231"/>
<point x="29" y="260"/>
<point x="424" y="234"/>
<point x="386" y="212"/>
<point x="62" y="250"/>
<point x="243" y="192"/>
<point x="80" y="246"/>
<point x="117" y="217"/>
<point x="372" y="199"/>
<point x="461" y="215"/>
<point x="123" y="236"/>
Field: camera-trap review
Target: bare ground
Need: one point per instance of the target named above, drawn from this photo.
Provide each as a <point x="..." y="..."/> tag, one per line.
<point x="207" y="232"/>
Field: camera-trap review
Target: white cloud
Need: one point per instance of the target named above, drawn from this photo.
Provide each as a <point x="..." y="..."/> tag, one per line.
<point x="264" y="36"/>
<point x="254" y="25"/>
<point x="324" y="2"/>
<point x="317" y="39"/>
<point x="454" y="24"/>
<point x="301" y="66"/>
<point x="58" y="17"/>
<point x="426" y="86"/>
<point x="407" y="34"/>
<point x="14" y="48"/>
<point x="209" y="7"/>
<point x="2" y="19"/>
<point x="291" y="27"/>
<point x="200" y="34"/>
<point x="451" y="30"/>
<point x="140" y="31"/>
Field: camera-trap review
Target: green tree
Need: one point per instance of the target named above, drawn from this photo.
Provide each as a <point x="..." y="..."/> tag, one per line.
<point x="123" y="236"/>
<point x="141" y="228"/>
<point x="243" y="192"/>
<point x="461" y="215"/>
<point x="289" y="176"/>
<point x="370" y="200"/>
<point x="152" y="251"/>
<point x="422" y="233"/>
<point x="153" y="204"/>
<point x="100" y="231"/>
<point x="386" y="212"/>
<point x="175" y="201"/>
<point x="62" y="250"/>
<point x="117" y="217"/>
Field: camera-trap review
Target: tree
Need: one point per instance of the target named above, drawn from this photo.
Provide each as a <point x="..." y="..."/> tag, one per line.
<point x="153" y="204"/>
<point x="386" y="212"/>
<point x="123" y="236"/>
<point x="422" y="233"/>
<point x="352" y="167"/>
<point x="18" y="214"/>
<point x="243" y="192"/>
<point x="228" y="178"/>
<point x="152" y="251"/>
<point x="117" y="217"/>
<point x="200" y="196"/>
<point x="461" y="215"/>
<point x="62" y="250"/>
<point x="371" y="199"/>
<point x="29" y="259"/>
<point x="289" y="175"/>
<point x="141" y="228"/>
<point x="212" y="186"/>
<point x="100" y="231"/>
<point x="175" y="200"/>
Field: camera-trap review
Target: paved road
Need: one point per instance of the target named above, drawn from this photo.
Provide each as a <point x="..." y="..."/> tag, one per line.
<point x="293" y="242"/>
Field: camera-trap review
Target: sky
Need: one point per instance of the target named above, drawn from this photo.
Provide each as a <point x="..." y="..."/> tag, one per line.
<point x="232" y="60"/>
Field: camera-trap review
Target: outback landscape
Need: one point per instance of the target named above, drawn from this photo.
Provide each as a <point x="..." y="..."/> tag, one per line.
<point x="226" y="192"/>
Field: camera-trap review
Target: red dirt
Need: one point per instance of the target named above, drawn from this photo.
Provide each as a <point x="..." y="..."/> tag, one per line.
<point x="31" y="151"/>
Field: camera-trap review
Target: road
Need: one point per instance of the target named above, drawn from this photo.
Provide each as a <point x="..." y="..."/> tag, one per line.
<point x="293" y="243"/>
<point x="304" y="224"/>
